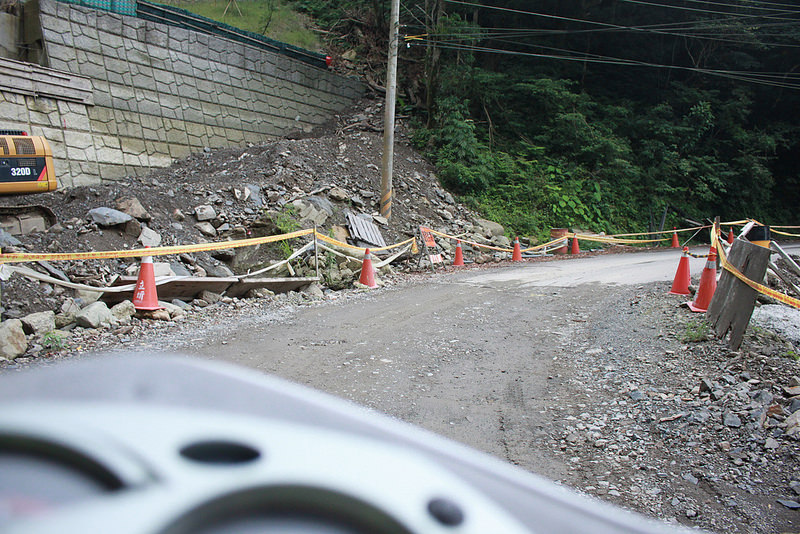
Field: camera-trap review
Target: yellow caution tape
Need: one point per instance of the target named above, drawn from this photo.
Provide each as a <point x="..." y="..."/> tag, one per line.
<point x="582" y="237"/>
<point x="183" y="249"/>
<point x="332" y="241"/>
<point x="662" y="231"/>
<point x="616" y="240"/>
<point x="545" y="245"/>
<point x="153" y="251"/>
<point x="473" y="243"/>
<point x="777" y="295"/>
<point x="774" y="231"/>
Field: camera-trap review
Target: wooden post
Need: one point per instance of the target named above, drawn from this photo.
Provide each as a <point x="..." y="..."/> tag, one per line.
<point x="316" y="253"/>
<point x="732" y="305"/>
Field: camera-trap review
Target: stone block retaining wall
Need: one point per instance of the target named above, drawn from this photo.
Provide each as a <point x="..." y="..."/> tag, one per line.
<point x="160" y="92"/>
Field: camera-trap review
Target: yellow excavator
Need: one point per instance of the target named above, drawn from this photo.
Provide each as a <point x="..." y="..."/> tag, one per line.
<point x="26" y="166"/>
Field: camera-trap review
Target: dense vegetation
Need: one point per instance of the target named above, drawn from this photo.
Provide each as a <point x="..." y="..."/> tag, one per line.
<point x="599" y="114"/>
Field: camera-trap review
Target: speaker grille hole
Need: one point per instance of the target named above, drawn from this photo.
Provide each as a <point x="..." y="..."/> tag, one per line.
<point x="220" y="452"/>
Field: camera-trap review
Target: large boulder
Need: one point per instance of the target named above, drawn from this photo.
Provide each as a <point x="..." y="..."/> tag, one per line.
<point x="95" y="315"/>
<point x="313" y="210"/>
<point x="489" y="228"/>
<point x="133" y="207"/>
<point x="13" y="342"/>
<point x="108" y="216"/>
<point x="149" y="237"/>
<point x="205" y="213"/>
<point x="39" y="323"/>
<point x="123" y="311"/>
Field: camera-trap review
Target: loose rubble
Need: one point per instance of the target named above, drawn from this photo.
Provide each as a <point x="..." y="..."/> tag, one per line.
<point x="234" y="194"/>
<point x="685" y="430"/>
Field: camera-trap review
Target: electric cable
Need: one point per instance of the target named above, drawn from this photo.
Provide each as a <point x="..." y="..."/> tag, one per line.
<point x="768" y="79"/>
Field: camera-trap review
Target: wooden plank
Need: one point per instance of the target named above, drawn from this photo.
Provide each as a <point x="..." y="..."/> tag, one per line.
<point x="183" y="287"/>
<point x="188" y="287"/>
<point x="732" y="305"/>
<point x="276" y="285"/>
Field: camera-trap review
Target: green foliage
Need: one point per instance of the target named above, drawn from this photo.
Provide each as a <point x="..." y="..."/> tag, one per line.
<point x="286" y="221"/>
<point x="695" y="331"/>
<point x="54" y="341"/>
<point x="536" y="141"/>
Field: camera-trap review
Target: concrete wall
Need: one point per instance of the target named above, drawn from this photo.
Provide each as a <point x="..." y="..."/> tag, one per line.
<point x="161" y="92"/>
<point x="8" y="34"/>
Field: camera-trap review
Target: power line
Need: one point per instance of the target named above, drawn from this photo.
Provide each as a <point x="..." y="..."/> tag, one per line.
<point x="604" y="24"/>
<point x="769" y="79"/>
<point x="720" y="36"/>
<point x="708" y="11"/>
<point x="740" y="6"/>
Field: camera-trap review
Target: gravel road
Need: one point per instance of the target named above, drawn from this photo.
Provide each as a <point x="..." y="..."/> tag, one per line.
<point x="593" y="386"/>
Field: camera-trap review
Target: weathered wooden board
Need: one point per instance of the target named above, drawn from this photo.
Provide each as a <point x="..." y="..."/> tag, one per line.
<point x="188" y="287"/>
<point x="183" y="287"/>
<point x="732" y="305"/>
<point x="276" y="285"/>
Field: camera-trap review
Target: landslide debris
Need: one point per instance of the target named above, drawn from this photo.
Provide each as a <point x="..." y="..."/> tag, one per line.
<point x="303" y="181"/>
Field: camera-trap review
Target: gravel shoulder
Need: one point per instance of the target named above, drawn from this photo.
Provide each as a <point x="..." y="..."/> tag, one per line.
<point x="593" y="386"/>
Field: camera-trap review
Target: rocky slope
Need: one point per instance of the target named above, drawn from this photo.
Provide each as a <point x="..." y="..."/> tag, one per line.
<point x="227" y="194"/>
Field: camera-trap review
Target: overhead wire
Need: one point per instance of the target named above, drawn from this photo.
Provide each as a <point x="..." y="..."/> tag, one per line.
<point x="501" y="36"/>
<point x="618" y="27"/>
<point x="707" y="11"/>
<point x="450" y="41"/>
<point x="742" y="6"/>
<point x="769" y="79"/>
<point x="586" y="21"/>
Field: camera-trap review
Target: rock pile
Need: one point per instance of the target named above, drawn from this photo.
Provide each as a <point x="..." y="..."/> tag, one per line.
<point x="224" y="195"/>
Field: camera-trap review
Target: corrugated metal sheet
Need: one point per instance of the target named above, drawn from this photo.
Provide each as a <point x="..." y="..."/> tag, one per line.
<point x="364" y="230"/>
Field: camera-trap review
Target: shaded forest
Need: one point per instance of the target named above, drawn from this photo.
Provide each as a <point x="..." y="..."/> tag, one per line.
<point x="598" y="114"/>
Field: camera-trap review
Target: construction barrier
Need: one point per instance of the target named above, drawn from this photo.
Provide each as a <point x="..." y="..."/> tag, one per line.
<point x="7" y="258"/>
<point x="777" y="295"/>
<point x="183" y="249"/>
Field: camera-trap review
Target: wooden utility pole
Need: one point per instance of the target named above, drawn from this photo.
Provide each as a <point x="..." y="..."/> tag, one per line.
<point x="388" y="120"/>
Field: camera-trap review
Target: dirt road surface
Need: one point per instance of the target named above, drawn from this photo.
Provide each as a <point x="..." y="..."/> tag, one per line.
<point x="537" y="363"/>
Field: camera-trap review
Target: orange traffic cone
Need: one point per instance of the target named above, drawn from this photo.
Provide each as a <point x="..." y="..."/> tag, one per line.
<point x="576" y="249"/>
<point x="675" y="243"/>
<point x="459" y="261"/>
<point x="730" y="236"/>
<point x="367" y="272"/>
<point x="145" y="297"/>
<point x="517" y="254"/>
<point x="708" y="284"/>
<point x="680" y="285"/>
